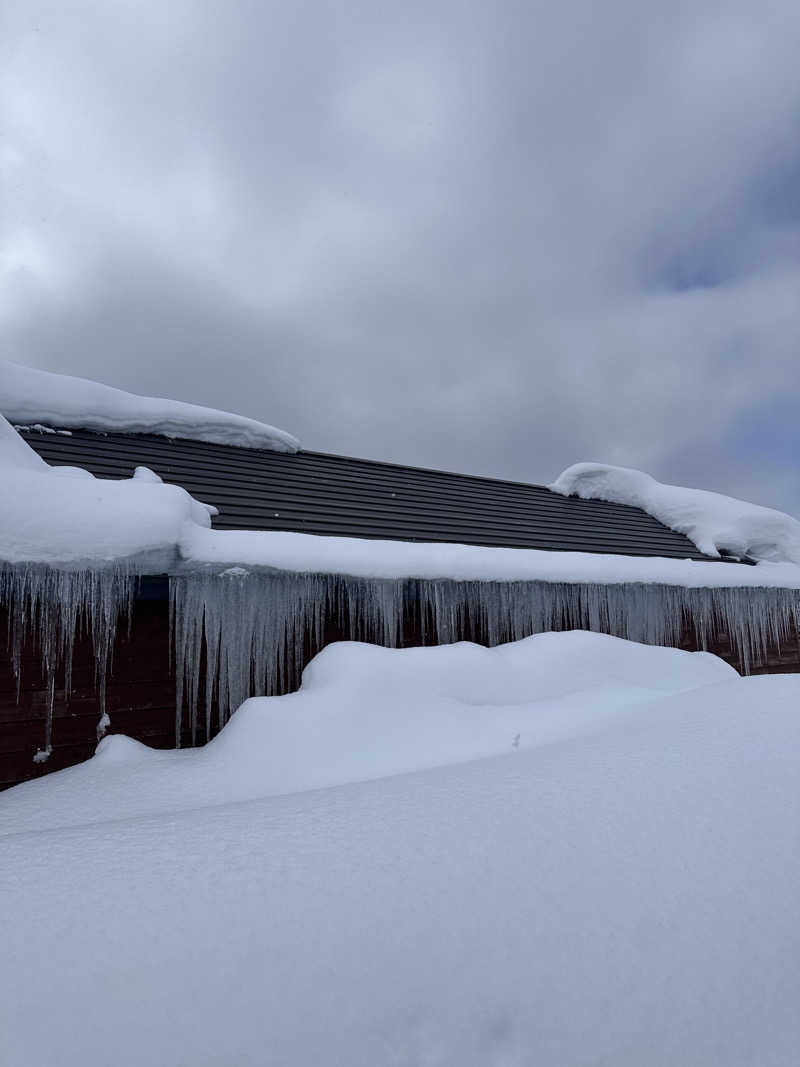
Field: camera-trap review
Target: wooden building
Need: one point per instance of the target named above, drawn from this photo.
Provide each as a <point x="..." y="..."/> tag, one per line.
<point x="305" y="492"/>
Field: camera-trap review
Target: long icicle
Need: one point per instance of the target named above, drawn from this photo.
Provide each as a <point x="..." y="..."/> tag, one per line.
<point x="52" y="607"/>
<point x="252" y="627"/>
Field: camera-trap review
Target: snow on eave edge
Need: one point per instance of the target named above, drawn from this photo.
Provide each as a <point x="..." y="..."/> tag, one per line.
<point x="300" y="553"/>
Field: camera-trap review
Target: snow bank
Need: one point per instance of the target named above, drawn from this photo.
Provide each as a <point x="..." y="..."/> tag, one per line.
<point x="627" y="895"/>
<point x="65" y="515"/>
<point x="715" y="523"/>
<point x="367" y="712"/>
<point x="31" y="396"/>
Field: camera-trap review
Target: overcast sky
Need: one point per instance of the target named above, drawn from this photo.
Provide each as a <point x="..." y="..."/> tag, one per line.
<point x="491" y="237"/>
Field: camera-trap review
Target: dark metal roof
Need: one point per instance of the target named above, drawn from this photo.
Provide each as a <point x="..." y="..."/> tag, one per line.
<point x="313" y="492"/>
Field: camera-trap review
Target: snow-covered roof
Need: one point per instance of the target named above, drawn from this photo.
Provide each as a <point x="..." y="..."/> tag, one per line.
<point x="717" y="524"/>
<point x="63" y="515"/>
<point x="30" y="396"/>
<point x="339" y="496"/>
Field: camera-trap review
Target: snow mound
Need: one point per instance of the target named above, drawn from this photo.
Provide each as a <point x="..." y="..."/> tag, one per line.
<point x="366" y="712"/>
<point x="29" y="396"/>
<point x="65" y="515"/>
<point x="717" y="524"/>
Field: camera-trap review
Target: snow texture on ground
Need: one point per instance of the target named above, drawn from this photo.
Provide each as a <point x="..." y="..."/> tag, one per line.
<point x="28" y="395"/>
<point x="715" y="523"/>
<point x="624" y="895"/>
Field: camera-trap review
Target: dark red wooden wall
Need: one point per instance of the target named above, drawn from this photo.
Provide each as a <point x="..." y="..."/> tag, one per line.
<point x="141" y="699"/>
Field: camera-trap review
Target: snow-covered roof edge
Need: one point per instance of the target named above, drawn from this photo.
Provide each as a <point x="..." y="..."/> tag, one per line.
<point x="29" y="396"/>
<point x="715" y="523"/>
<point x="300" y="553"/>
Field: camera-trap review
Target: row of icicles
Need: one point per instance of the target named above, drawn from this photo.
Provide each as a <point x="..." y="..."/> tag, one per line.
<point x="237" y="634"/>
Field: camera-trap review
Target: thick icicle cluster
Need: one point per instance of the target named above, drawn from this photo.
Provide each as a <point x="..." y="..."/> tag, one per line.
<point x="53" y="608"/>
<point x="239" y="633"/>
<point x="248" y="633"/>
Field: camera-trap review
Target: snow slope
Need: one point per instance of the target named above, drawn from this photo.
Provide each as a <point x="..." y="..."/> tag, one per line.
<point x="28" y="395"/>
<point x="715" y="523"/>
<point x="627" y="895"/>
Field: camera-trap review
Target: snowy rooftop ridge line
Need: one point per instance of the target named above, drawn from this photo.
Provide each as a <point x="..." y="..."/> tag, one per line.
<point x="715" y="523"/>
<point x="29" y="396"/>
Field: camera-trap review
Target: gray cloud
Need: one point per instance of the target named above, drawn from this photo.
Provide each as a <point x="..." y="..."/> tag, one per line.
<point x="491" y="238"/>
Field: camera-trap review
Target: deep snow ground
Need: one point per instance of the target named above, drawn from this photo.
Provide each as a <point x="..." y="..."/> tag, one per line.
<point x="624" y="895"/>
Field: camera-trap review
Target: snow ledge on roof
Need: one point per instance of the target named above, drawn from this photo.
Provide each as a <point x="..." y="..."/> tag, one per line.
<point x="716" y="524"/>
<point x="300" y="553"/>
<point x="30" y="396"/>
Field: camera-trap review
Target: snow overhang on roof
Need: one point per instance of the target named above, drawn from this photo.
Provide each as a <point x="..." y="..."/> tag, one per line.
<point x="31" y="397"/>
<point x="718" y="525"/>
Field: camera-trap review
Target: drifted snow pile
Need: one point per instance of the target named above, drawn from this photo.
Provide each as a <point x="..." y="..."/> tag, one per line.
<point x="30" y="396"/>
<point x="717" y="524"/>
<point x="612" y="876"/>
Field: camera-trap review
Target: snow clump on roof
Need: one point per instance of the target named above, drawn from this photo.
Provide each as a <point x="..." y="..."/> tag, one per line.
<point x="29" y="396"/>
<point x="717" y="524"/>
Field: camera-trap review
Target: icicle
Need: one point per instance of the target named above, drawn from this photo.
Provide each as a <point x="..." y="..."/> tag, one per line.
<point x="238" y="634"/>
<point x="52" y="607"/>
<point x="252" y="627"/>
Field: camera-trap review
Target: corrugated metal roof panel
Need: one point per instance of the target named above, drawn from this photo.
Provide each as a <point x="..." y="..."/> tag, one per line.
<point x="313" y="492"/>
